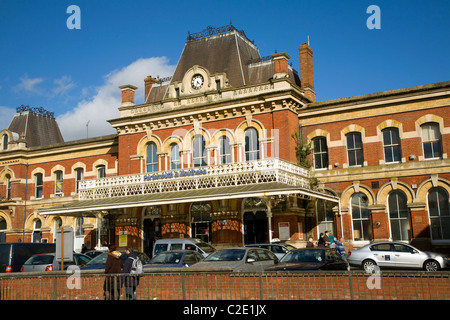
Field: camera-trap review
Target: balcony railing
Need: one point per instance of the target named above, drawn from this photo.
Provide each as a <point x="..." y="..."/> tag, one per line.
<point x="242" y="173"/>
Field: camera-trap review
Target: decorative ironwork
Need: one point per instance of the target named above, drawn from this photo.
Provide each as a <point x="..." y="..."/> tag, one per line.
<point x="242" y="173"/>
<point x="38" y="110"/>
<point x="162" y="80"/>
<point x="212" y="31"/>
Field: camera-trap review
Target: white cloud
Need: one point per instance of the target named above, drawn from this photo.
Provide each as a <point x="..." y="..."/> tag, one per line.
<point x="28" y="84"/>
<point x="63" y="85"/>
<point x="7" y="115"/>
<point x="104" y="104"/>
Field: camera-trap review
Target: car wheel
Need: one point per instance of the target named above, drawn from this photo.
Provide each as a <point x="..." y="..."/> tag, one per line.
<point x="431" y="265"/>
<point x="369" y="265"/>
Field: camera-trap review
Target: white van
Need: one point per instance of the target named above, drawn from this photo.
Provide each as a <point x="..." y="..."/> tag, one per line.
<point x="201" y="247"/>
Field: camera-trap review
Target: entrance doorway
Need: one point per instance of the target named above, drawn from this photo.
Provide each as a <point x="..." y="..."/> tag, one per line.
<point x="255" y="227"/>
<point x="201" y="221"/>
<point x="152" y="228"/>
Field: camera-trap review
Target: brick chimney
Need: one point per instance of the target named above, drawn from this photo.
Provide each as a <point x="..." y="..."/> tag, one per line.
<point x="306" y="71"/>
<point x="127" y="95"/>
<point x="149" y="82"/>
<point x="281" y="64"/>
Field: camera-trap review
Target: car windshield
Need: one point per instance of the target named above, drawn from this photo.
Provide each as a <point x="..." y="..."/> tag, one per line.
<point x="205" y="247"/>
<point x="45" y="259"/>
<point x="100" y="259"/>
<point x="304" y="256"/>
<point x="167" y="258"/>
<point x="290" y="247"/>
<point x="227" y="255"/>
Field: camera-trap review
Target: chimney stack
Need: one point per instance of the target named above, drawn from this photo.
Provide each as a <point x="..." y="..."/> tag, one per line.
<point x="127" y="95"/>
<point x="281" y="64"/>
<point x="306" y="71"/>
<point x="149" y="82"/>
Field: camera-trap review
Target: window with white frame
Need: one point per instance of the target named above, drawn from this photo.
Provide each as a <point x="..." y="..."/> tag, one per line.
<point x="251" y="144"/>
<point x="399" y="216"/>
<point x="361" y="217"/>
<point x="58" y="182"/>
<point x="439" y="211"/>
<point x="175" y="161"/>
<point x="224" y="150"/>
<point x="152" y="157"/>
<point x="320" y="153"/>
<point x="431" y="138"/>
<point x="8" y="187"/>
<point x="79" y="172"/>
<point x="101" y="171"/>
<point x="199" y="154"/>
<point x="391" y="145"/>
<point x="355" y="149"/>
<point x="39" y="185"/>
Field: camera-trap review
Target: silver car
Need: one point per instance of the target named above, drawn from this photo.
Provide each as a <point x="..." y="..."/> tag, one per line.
<point x="238" y="260"/>
<point x="280" y="249"/>
<point x="396" y="255"/>
<point x="47" y="262"/>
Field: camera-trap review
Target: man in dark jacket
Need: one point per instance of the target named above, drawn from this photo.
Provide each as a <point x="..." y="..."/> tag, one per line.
<point x="131" y="281"/>
<point x="111" y="286"/>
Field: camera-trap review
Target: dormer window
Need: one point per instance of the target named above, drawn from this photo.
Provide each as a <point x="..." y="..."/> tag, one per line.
<point x="5" y="142"/>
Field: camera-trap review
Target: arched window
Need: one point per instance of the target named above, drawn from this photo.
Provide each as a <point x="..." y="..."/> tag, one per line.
<point x="361" y="217"/>
<point x="251" y="144"/>
<point x="175" y="162"/>
<point x="399" y="216"/>
<point x="79" y="176"/>
<point x="37" y="234"/>
<point x="58" y="183"/>
<point x="438" y="207"/>
<point x="5" y="142"/>
<point x="201" y="220"/>
<point x="325" y="215"/>
<point x="8" y="187"/>
<point x="391" y="145"/>
<point x="101" y="171"/>
<point x="355" y="149"/>
<point x="152" y="157"/>
<point x="224" y="150"/>
<point x="431" y="138"/>
<point x="199" y="156"/>
<point x="39" y="185"/>
<point x="3" y="226"/>
<point x="320" y="153"/>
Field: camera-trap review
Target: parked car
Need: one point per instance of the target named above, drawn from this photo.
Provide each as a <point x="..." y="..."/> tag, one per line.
<point x="99" y="262"/>
<point x="13" y="255"/>
<point x="238" y="260"/>
<point x="94" y="253"/>
<point x="174" y="259"/>
<point x="47" y="262"/>
<point x="280" y="249"/>
<point x="308" y="259"/>
<point x="201" y="247"/>
<point x="396" y="255"/>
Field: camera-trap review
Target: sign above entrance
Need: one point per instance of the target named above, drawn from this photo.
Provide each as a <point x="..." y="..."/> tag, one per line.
<point x="174" y="174"/>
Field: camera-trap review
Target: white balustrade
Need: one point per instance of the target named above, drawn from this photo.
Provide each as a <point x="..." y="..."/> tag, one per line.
<point x="241" y="173"/>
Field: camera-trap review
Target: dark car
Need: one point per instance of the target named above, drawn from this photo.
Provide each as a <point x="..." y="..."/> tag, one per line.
<point x="13" y="255"/>
<point x="94" y="253"/>
<point x="174" y="259"/>
<point x="310" y="259"/>
<point x="99" y="262"/>
<point x="47" y="262"/>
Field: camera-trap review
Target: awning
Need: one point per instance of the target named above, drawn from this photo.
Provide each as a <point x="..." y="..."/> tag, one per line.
<point x="80" y="207"/>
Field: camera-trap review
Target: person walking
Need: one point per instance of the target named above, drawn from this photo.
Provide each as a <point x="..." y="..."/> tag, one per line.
<point x="340" y="248"/>
<point x="111" y="285"/>
<point x="131" y="281"/>
<point x="326" y="239"/>
<point x="321" y="242"/>
<point x="310" y="243"/>
<point x="331" y="237"/>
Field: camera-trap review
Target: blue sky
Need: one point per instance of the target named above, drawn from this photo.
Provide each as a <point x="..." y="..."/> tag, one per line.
<point x="76" y="73"/>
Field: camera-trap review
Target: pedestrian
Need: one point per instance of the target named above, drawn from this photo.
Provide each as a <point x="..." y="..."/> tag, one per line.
<point x="131" y="281"/>
<point x="321" y="242"/>
<point x="83" y="248"/>
<point x="331" y="237"/>
<point x="340" y="250"/>
<point x="310" y="243"/>
<point x="326" y="239"/>
<point x="113" y="267"/>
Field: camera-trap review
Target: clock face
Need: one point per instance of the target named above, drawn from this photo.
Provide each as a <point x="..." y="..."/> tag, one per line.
<point x="197" y="81"/>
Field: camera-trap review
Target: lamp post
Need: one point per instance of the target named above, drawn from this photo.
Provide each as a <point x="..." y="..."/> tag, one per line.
<point x="25" y="206"/>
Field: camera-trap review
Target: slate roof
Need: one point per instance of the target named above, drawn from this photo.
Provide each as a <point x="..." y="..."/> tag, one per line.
<point x="226" y="51"/>
<point x="39" y="130"/>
